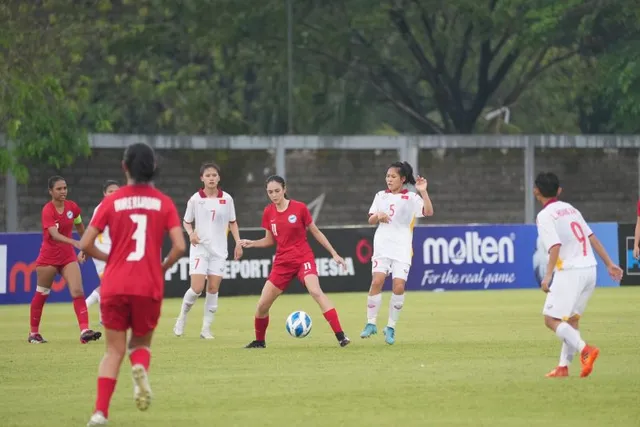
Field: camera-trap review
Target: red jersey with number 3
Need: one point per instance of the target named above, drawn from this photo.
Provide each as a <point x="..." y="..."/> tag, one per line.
<point x="560" y="224"/>
<point x="52" y="252"/>
<point x="289" y="229"/>
<point x="138" y="217"/>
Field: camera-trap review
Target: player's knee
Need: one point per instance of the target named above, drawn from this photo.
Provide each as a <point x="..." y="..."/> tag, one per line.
<point x="76" y="291"/>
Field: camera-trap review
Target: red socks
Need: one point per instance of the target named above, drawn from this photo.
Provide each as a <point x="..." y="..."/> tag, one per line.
<point x="37" y="305"/>
<point x="80" y="307"/>
<point x="141" y="356"/>
<point x="106" y="387"/>
<point x="261" y="325"/>
<point x="334" y="322"/>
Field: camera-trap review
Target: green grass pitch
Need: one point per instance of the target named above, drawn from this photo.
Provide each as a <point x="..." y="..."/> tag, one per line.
<point x="461" y="359"/>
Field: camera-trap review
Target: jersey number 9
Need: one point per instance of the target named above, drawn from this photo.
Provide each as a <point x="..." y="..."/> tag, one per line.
<point x="579" y="233"/>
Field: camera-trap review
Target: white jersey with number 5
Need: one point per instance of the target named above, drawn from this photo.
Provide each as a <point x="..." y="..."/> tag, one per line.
<point x="212" y="216"/>
<point x="394" y="240"/>
<point x="559" y="223"/>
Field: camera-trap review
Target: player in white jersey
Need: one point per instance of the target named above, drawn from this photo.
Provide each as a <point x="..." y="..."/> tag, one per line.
<point x="103" y="242"/>
<point x="214" y="214"/>
<point x="570" y="277"/>
<point x="395" y="210"/>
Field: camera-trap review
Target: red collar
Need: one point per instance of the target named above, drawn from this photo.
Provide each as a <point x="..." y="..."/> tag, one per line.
<point x="552" y="200"/>
<point x="204" y="195"/>
<point x="404" y="191"/>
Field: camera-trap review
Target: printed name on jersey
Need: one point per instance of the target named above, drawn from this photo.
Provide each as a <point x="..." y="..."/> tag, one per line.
<point x="260" y="268"/>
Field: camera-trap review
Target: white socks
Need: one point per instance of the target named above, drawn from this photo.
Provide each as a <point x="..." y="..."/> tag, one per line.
<point x="570" y="336"/>
<point x="94" y="298"/>
<point x="566" y="355"/>
<point x="373" y="307"/>
<point x="395" y="305"/>
<point x="210" y="308"/>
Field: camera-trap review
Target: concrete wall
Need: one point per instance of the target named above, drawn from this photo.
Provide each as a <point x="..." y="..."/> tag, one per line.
<point x="467" y="185"/>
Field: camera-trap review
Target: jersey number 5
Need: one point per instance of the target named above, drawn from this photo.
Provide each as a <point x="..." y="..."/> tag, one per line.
<point x="579" y="233"/>
<point x="140" y="237"/>
<point x="393" y="211"/>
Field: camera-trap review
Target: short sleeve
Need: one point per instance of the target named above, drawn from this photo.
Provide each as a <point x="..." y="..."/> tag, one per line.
<point x="190" y="212"/>
<point x="418" y="205"/>
<point x="172" y="219"/>
<point x="374" y="206"/>
<point x="265" y="219"/>
<point x="232" y="210"/>
<point x="638" y="208"/>
<point x="547" y="231"/>
<point x="305" y="215"/>
<point x="100" y="217"/>
<point x="587" y="229"/>
<point x="76" y="210"/>
<point x="48" y="219"/>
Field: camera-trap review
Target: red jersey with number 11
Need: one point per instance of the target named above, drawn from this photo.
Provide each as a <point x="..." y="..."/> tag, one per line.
<point x="289" y="229"/>
<point x="138" y="217"/>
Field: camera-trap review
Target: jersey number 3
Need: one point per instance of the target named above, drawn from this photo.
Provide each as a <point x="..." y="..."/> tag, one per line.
<point x="139" y="236"/>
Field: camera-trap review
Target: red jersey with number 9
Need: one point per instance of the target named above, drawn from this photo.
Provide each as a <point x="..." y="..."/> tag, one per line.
<point x="289" y="229"/>
<point x="138" y="217"/>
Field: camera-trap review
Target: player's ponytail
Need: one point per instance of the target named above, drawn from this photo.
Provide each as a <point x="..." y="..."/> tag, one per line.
<point x="140" y="161"/>
<point x="406" y="171"/>
<point x="279" y="180"/>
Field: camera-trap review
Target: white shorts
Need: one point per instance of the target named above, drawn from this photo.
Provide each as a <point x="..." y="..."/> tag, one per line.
<point x="100" y="266"/>
<point x="206" y="264"/>
<point x="398" y="270"/>
<point x="570" y="292"/>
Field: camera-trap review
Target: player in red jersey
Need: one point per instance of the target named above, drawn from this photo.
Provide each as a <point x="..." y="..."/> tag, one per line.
<point x="286" y="223"/>
<point x="57" y="256"/>
<point x="138" y="216"/>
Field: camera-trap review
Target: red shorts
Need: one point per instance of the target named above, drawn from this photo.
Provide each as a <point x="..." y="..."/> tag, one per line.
<point x="123" y="312"/>
<point x="58" y="264"/>
<point x="283" y="273"/>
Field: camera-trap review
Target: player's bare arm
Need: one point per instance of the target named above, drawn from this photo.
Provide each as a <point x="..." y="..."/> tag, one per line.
<point x="87" y="244"/>
<point x="82" y="257"/>
<point x="55" y="235"/>
<point x="636" y="240"/>
<point x="322" y="239"/>
<point x="421" y="188"/>
<point x="193" y="236"/>
<point x="178" y="248"/>
<point x="265" y="242"/>
<point x="235" y="232"/>
<point x="614" y="270"/>
<point x="554" y="254"/>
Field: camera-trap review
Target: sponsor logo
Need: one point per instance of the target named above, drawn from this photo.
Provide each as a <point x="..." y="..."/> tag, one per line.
<point x="633" y="265"/>
<point x="259" y="269"/>
<point x="470" y="249"/>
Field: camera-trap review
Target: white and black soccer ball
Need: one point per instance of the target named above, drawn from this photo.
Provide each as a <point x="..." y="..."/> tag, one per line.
<point x="299" y="324"/>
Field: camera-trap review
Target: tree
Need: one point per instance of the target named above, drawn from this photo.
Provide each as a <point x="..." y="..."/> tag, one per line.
<point x="40" y="110"/>
<point x="442" y="64"/>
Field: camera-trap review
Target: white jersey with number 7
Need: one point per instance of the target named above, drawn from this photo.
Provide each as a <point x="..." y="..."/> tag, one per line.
<point x="559" y="223"/>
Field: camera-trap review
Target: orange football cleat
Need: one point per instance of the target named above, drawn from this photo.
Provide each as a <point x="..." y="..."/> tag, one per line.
<point x="588" y="358"/>
<point x="560" y="371"/>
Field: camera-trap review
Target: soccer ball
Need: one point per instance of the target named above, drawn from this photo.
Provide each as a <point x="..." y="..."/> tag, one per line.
<point x="298" y="324"/>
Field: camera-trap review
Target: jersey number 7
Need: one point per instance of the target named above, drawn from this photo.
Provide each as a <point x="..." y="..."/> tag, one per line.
<point x="140" y="237"/>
